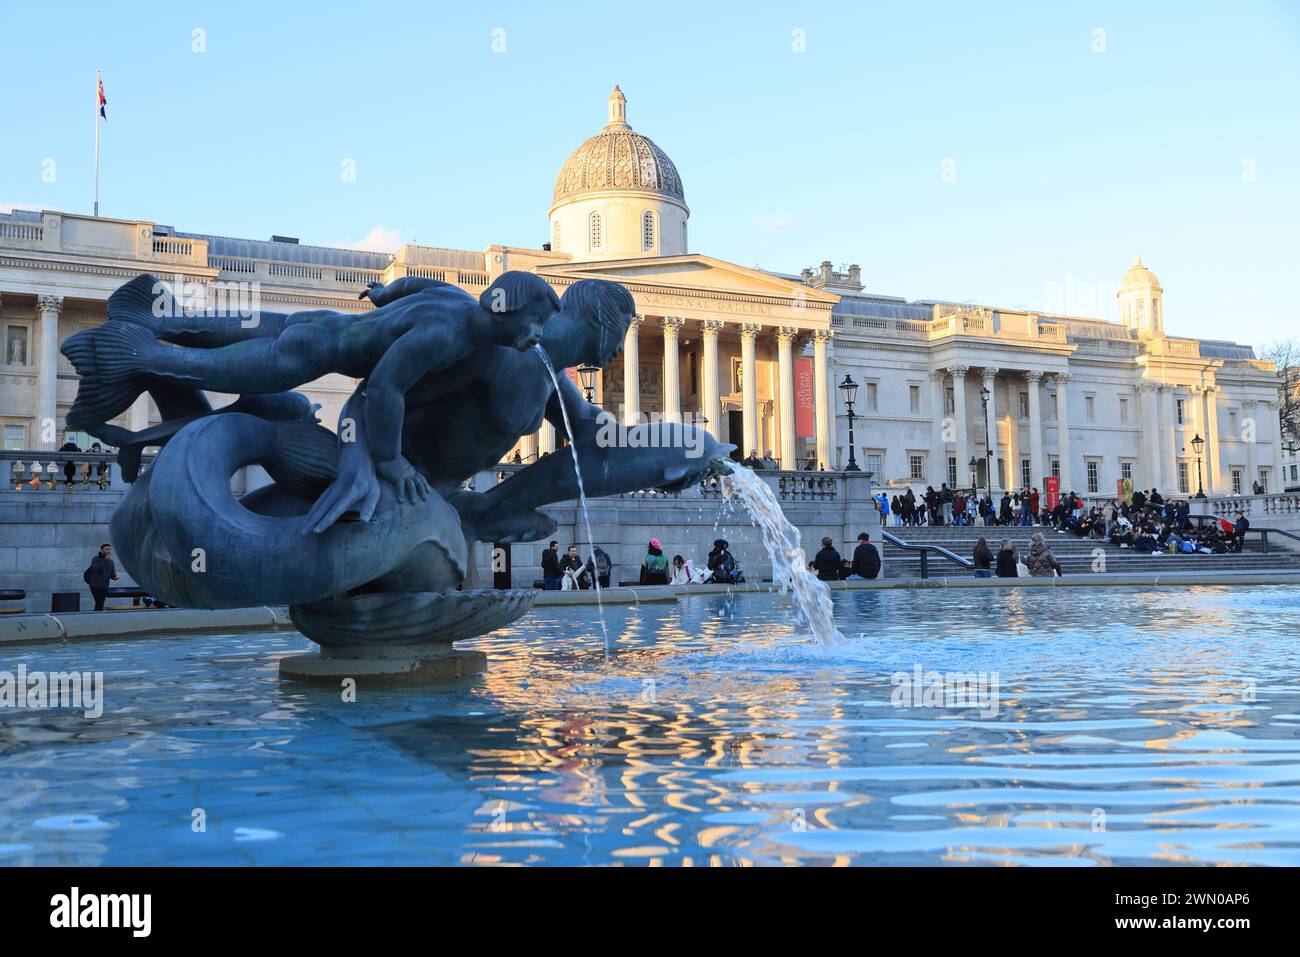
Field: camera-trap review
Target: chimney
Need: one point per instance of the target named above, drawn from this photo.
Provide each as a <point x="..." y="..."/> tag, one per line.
<point x="855" y="275"/>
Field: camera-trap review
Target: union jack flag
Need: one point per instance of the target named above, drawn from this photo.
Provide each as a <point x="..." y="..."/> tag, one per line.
<point x="99" y="82"/>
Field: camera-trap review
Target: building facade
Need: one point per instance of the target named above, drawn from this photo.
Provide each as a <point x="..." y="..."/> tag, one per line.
<point x="754" y="355"/>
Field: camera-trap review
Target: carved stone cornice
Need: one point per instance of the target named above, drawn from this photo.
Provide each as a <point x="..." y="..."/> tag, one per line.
<point x="1149" y="386"/>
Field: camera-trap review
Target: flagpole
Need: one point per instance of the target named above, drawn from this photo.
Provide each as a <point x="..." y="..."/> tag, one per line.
<point x="97" y="82"/>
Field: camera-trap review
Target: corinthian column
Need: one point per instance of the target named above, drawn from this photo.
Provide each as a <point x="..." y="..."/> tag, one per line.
<point x="1036" y="464"/>
<point x="785" y="375"/>
<point x="958" y="374"/>
<point x="710" y="400"/>
<point x="1152" y="426"/>
<point x="1212" y="464"/>
<point x="47" y="372"/>
<point x="749" y="387"/>
<point x="1063" y="430"/>
<point x="632" y="374"/>
<point x="672" y="370"/>
<point x="823" y="399"/>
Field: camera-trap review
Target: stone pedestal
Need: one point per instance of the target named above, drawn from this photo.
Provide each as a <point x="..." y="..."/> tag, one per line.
<point x="427" y="665"/>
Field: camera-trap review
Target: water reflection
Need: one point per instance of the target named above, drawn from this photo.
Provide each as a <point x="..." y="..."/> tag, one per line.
<point x="1141" y="728"/>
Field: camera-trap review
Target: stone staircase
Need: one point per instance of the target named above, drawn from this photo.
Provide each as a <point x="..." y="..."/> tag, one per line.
<point x="1076" y="555"/>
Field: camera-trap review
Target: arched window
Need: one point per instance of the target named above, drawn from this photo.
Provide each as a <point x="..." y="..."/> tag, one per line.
<point x="555" y="238"/>
<point x="596" y="237"/>
<point x="647" y="231"/>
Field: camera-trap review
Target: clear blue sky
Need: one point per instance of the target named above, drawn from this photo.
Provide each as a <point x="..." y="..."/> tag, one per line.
<point x="1067" y="161"/>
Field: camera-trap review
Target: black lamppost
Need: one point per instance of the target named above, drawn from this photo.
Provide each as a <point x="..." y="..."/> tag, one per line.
<point x="587" y="373"/>
<point x="1198" y="444"/>
<point x="974" y="467"/>
<point x="849" y="388"/>
<point x="985" y="395"/>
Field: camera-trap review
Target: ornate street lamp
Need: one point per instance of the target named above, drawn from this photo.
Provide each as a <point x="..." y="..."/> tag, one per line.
<point x="985" y="395"/>
<point x="974" y="468"/>
<point x="849" y="389"/>
<point x="1198" y="444"/>
<point x="587" y="373"/>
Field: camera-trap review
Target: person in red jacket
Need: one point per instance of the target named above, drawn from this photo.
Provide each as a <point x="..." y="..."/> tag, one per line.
<point x="1033" y="506"/>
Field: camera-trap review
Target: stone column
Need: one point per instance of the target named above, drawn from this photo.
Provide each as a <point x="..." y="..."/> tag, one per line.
<point x="1248" y="414"/>
<point x="785" y="378"/>
<point x="528" y="448"/>
<point x="1063" y="430"/>
<point x="1037" y="464"/>
<point x="749" y="387"/>
<point x="710" y="404"/>
<point x="1212" y="464"/>
<point x="672" y="370"/>
<point x="1151" y="427"/>
<point x="140" y="413"/>
<point x="1174" y="432"/>
<point x="546" y="438"/>
<point x="1013" y="432"/>
<point x="47" y="373"/>
<point x="938" y="471"/>
<point x="632" y="373"/>
<point x="991" y="424"/>
<point x="823" y="399"/>
<point x="958" y="374"/>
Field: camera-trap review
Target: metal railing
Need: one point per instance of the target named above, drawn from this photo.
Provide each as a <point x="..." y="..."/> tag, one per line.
<point x="939" y="550"/>
<point x="1263" y="533"/>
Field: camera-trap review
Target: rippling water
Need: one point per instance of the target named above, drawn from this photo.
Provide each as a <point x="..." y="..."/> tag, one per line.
<point x="1131" y="728"/>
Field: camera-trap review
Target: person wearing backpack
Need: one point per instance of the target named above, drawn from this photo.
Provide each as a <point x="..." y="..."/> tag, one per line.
<point x="654" y="570"/>
<point x="99" y="574"/>
<point x="722" y="564"/>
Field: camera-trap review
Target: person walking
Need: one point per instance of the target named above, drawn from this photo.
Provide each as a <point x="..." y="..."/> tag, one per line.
<point x="551" y="573"/>
<point x="1042" y="563"/>
<point x="982" y="559"/>
<point x="654" y="570"/>
<point x="866" y="560"/>
<point x="884" y="509"/>
<point x="100" y="573"/>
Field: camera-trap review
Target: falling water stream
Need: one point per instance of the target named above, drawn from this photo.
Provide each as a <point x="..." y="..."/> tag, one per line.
<point x="785" y="549"/>
<point x="582" y="495"/>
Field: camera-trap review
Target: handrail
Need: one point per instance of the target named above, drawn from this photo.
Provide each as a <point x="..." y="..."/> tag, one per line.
<point x="939" y="550"/>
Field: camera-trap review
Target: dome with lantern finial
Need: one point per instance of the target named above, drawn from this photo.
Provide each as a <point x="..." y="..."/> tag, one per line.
<point x="1139" y="300"/>
<point x="618" y="195"/>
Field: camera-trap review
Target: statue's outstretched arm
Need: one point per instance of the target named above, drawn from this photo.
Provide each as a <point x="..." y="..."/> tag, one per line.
<point x="582" y="414"/>
<point x="382" y="295"/>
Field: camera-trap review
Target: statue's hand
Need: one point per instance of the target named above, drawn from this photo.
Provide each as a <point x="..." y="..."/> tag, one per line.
<point x="370" y="290"/>
<point x="400" y="474"/>
<point x="354" y="489"/>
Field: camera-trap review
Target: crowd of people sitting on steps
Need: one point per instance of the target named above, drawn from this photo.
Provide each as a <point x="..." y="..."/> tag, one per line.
<point x="568" y="572"/>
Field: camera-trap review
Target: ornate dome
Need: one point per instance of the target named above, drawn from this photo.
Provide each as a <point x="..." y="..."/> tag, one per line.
<point x="1139" y="277"/>
<point x="618" y="158"/>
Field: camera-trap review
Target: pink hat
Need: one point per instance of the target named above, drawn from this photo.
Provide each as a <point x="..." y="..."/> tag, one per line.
<point x="654" y="543"/>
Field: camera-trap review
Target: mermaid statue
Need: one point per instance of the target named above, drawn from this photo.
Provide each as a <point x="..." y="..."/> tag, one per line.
<point x="364" y="533"/>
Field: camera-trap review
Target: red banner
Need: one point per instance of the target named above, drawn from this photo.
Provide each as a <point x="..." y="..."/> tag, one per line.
<point x="803" y="398"/>
<point x="1053" y="492"/>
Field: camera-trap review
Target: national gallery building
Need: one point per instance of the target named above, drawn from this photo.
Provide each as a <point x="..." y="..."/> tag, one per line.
<point x="757" y="356"/>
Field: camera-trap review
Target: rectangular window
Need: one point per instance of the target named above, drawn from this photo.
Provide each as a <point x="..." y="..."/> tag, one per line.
<point x="1263" y="481"/>
<point x="875" y="460"/>
<point x="873" y="397"/>
<point x="917" y="464"/>
<point x="1295" y="473"/>
<point x="1002" y="472"/>
<point x="1090" y="408"/>
<point x="692" y="362"/>
<point x="1123" y="410"/>
<point x="1056" y="468"/>
<point x="949" y="403"/>
<point x="1184" y="478"/>
<point x="914" y="399"/>
<point x="1126" y="470"/>
<point x="1179" y="403"/>
<point x="1026" y="473"/>
<point x="952" y="471"/>
<point x="1024" y="405"/>
<point x="15" y="437"/>
<point x="1094" y="476"/>
<point x="1236" y="481"/>
<point x="15" y="345"/>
